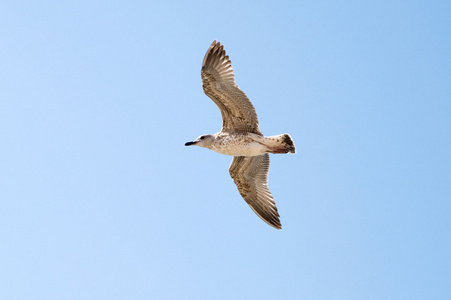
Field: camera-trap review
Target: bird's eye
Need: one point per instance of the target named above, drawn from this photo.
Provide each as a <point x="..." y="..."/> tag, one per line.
<point x="202" y="137"/>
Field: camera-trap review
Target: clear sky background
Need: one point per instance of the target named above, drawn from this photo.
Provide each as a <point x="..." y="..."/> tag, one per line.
<point x="99" y="198"/>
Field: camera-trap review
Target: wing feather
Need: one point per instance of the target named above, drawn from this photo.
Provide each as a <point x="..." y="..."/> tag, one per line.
<point x="218" y="82"/>
<point x="250" y="174"/>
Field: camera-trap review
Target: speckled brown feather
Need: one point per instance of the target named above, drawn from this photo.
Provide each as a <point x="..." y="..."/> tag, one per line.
<point x="218" y="82"/>
<point x="250" y="174"/>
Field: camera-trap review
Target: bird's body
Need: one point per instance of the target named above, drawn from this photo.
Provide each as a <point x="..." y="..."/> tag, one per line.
<point x="246" y="144"/>
<point x="240" y="136"/>
<point x="238" y="144"/>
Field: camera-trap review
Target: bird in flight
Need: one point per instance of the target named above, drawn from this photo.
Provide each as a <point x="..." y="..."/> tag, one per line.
<point x="240" y="135"/>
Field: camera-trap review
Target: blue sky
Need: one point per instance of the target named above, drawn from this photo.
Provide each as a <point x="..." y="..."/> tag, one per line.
<point x="99" y="198"/>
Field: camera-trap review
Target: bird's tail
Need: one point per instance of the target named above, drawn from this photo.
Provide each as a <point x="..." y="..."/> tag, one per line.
<point x="280" y="143"/>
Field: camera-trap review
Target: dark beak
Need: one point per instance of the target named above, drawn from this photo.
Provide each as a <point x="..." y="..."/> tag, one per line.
<point x="190" y="143"/>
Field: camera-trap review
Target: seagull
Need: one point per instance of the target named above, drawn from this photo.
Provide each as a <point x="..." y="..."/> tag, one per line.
<point x="240" y="135"/>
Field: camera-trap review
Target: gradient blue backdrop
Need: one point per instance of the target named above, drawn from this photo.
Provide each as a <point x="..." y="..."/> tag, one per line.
<point x="99" y="198"/>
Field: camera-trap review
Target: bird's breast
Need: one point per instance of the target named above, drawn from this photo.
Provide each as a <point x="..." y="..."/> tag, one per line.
<point x="238" y="145"/>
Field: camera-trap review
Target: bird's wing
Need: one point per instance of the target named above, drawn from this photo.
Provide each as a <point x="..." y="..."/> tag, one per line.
<point x="250" y="174"/>
<point x="218" y="81"/>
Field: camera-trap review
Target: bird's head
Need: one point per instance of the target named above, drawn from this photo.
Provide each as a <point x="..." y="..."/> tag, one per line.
<point x="202" y="141"/>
